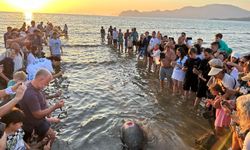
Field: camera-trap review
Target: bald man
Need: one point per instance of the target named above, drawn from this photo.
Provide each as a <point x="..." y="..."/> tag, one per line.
<point x="36" y="109"/>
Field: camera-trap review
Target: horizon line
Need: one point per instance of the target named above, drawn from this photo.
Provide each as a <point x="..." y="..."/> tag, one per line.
<point x="61" y="13"/>
<point x="114" y="15"/>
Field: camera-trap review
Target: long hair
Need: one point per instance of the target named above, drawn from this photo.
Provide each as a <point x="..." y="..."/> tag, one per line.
<point x="181" y="50"/>
<point x="243" y="109"/>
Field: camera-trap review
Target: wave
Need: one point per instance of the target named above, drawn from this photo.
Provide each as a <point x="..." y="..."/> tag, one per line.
<point x="91" y="63"/>
<point x="80" y="45"/>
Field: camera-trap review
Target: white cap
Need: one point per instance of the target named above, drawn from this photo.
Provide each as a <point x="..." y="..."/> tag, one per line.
<point x="235" y="55"/>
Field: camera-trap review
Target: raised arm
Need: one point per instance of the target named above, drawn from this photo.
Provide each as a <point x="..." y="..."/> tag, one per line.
<point x="19" y="95"/>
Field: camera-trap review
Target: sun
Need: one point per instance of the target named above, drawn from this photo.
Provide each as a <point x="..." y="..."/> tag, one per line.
<point x="27" y="5"/>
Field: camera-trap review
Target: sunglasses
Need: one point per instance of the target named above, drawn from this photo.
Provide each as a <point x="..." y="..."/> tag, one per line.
<point x="242" y="62"/>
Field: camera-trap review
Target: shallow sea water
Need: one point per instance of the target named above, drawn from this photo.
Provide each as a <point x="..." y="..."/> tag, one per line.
<point x="107" y="87"/>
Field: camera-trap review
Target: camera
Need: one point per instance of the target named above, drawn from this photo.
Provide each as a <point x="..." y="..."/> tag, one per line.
<point x="2" y="128"/>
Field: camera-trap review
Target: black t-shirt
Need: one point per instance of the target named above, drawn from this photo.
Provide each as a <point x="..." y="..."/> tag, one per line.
<point x="190" y="64"/>
<point x="8" y="69"/>
<point x="204" y="67"/>
<point x="102" y="31"/>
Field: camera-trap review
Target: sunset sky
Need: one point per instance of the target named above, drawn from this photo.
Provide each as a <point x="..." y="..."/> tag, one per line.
<point x="106" y="7"/>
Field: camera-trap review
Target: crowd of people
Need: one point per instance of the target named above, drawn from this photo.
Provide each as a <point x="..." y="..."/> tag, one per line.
<point x="215" y="77"/>
<point x="25" y="72"/>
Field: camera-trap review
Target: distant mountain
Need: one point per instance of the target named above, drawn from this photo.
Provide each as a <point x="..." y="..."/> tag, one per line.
<point x="220" y="11"/>
<point x="234" y="19"/>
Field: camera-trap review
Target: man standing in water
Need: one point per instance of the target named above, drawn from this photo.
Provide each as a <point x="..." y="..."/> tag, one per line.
<point x="126" y="35"/>
<point x="202" y="72"/>
<point x="35" y="108"/>
<point x="115" y="37"/>
<point x="110" y="30"/>
<point x="55" y="46"/>
<point x="153" y="41"/>
<point x="135" y="37"/>
<point x="7" y="36"/>
<point x="166" y="69"/>
<point x="33" y="27"/>
<point x="103" y="33"/>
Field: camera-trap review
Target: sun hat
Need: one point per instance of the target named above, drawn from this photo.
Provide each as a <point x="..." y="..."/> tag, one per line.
<point x="246" y="77"/>
<point x="214" y="71"/>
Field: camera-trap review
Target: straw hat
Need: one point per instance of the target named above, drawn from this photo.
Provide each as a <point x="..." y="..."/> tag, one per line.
<point x="246" y="77"/>
<point x="214" y="71"/>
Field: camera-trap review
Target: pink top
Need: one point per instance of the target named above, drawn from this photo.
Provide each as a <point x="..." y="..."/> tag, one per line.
<point x="222" y="118"/>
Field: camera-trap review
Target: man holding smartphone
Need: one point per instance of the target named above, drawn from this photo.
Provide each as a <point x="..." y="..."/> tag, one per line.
<point x="35" y="107"/>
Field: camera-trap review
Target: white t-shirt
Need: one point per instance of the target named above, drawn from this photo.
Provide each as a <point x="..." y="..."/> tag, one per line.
<point x="55" y="45"/>
<point x="31" y="58"/>
<point x="23" y="34"/>
<point x="115" y="35"/>
<point x="201" y="56"/>
<point x="153" y="42"/>
<point x="178" y="74"/>
<point x="235" y="73"/>
<point x="229" y="82"/>
<point x="18" y="62"/>
<point x="246" y="144"/>
<point x="38" y="64"/>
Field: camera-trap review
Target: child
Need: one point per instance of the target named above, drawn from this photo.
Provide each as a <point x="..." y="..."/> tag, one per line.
<point x="19" y="76"/>
<point x="223" y="118"/>
<point x="191" y="79"/>
<point x="14" y="121"/>
<point x="156" y="58"/>
<point x="109" y="37"/>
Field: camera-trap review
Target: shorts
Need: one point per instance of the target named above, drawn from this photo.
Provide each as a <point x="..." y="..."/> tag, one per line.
<point x="148" y="53"/>
<point x="165" y="73"/>
<point x="115" y="41"/>
<point x="202" y="89"/>
<point x="190" y="82"/>
<point x="41" y="130"/>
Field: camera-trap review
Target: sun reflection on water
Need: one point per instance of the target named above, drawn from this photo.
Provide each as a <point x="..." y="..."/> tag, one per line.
<point x="28" y="16"/>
